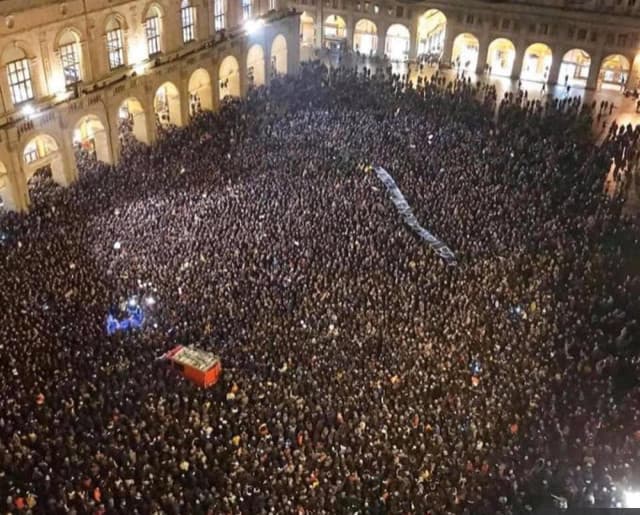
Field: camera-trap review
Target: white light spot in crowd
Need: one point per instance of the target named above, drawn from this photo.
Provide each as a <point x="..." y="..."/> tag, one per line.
<point x="631" y="499"/>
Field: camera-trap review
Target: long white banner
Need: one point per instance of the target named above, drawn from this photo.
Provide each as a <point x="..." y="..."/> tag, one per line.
<point x="407" y="215"/>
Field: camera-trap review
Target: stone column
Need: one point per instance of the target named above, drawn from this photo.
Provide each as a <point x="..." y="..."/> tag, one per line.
<point x="150" y="112"/>
<point x="114" y="137"/>
<point x="68" y="160"/>
<point x="447" y="50"/>
<point x="215" y="86"/>
<point x="516" y="70"/>
<point x="483" y="51"/>
<point x="203" y="30"/>
<point x="183" y="95"/>
<point x="293" y="45"/>
<point x="381" y="27"/>
<point x="242" y="69"/>
<point x="38" y="78"/>
<point x="18" y="198"/>
<point x="554" y="70"/>
<point x="7" y="102"/>
<point x="172" y="29"/>
<point x="413" y="42"/>
<point x="320" y="25"/>
<point x="86" y="61"/>
<point x="351" y="28"/>
<point x="594" y="71"/>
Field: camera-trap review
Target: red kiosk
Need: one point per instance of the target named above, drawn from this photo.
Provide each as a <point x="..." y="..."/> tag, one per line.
<point x="197" y="365"/>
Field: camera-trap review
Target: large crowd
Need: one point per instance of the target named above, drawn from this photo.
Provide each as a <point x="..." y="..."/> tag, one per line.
<point x="362" y="374"/>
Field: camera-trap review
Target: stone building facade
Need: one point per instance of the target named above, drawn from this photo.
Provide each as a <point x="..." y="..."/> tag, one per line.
<point x="71" y="71"/>
<point x="590" y="43"/>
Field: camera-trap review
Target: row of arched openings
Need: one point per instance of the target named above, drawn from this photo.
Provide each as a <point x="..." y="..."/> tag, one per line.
<point x="538" y="57"/>
<point x="43" y="151"/>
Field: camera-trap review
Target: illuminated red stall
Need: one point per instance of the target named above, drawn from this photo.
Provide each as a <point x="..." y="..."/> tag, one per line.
<point x="197" y="365"/>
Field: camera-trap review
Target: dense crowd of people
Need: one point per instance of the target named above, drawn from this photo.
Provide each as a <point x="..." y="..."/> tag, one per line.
<point x="361" y="372"/>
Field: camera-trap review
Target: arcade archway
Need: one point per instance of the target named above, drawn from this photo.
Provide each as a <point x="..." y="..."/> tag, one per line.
<point x="91" y="137"/>
<point x="574" y="68"/>
<point x="537" y="63"/>
<point x="465" y="52"/>
<point x="133" y="119"/>
<point x="42" y="159"/>
<point x="614" y="72"/>
<point x="200" y="94"/>
<point x="397" y="42"/>
<point x="279" y="55"/>
<point x="500" y="57"/>
<point x="334" y="30"/>
<point x="229" y="77"/>
<point x="166" y="105"/>
<point x="432" y="27"/>
<point x="255" y="66"/>
<point x="307" y="30"/>
<point x="365" y="37"/>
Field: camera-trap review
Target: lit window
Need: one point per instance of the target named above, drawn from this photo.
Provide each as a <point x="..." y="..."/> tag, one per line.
<point x="70" y="58"/>
<point x="272" y="5"/>
<point x="37" y="149"/>
<point x="218" y="14"/>
<point x="246" y="9"/>
<point x="30" y="153"/>
<point x="152" y="28"/>
<point x="376" y="8"/>
<point x="20" y="81"/>
<point x="115" y="48"/>
<point x="187" y="15"/>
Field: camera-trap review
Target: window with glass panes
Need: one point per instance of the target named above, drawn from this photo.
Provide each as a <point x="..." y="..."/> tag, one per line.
<point x="272" y="5"/>
<point x="152" y="28"/>
<point x="115" y="48"/>
<point x="70" y="63"/>
<point x="246" y="9"/>
<point x="187" y="14"/>
<point x="20" y="84"/>
<point x="30" y="154"/>
<point x="218" y="14"/>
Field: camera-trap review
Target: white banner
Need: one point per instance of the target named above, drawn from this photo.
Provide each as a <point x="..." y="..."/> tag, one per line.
<point x="407" y="215"/>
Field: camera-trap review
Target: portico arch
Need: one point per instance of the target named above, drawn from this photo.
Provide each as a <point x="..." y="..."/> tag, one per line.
<point x="132" y="118"/>
<point x="574" y="68"/>
<point x="42" y="154"/>
<point x="307" y="29"/>
<point x="255" y="66"/>
<point x="465" y="51"/>
<point x="334" y="30"/>
<point x="200" y="94"/>
<point x="90" y="135"/>
<point x="365" y="37"/>
<point x="166" y="105"/>
<point x="229" y="77"/>
<point x="500" y="57"/>
<point x="397" y="42"/>
<point x="614" y="72"/>
<point x="432" y="27"/>
<point x="537" y="62"/>
<point x="279" y="55"/>
<point x="307" y="36"/>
